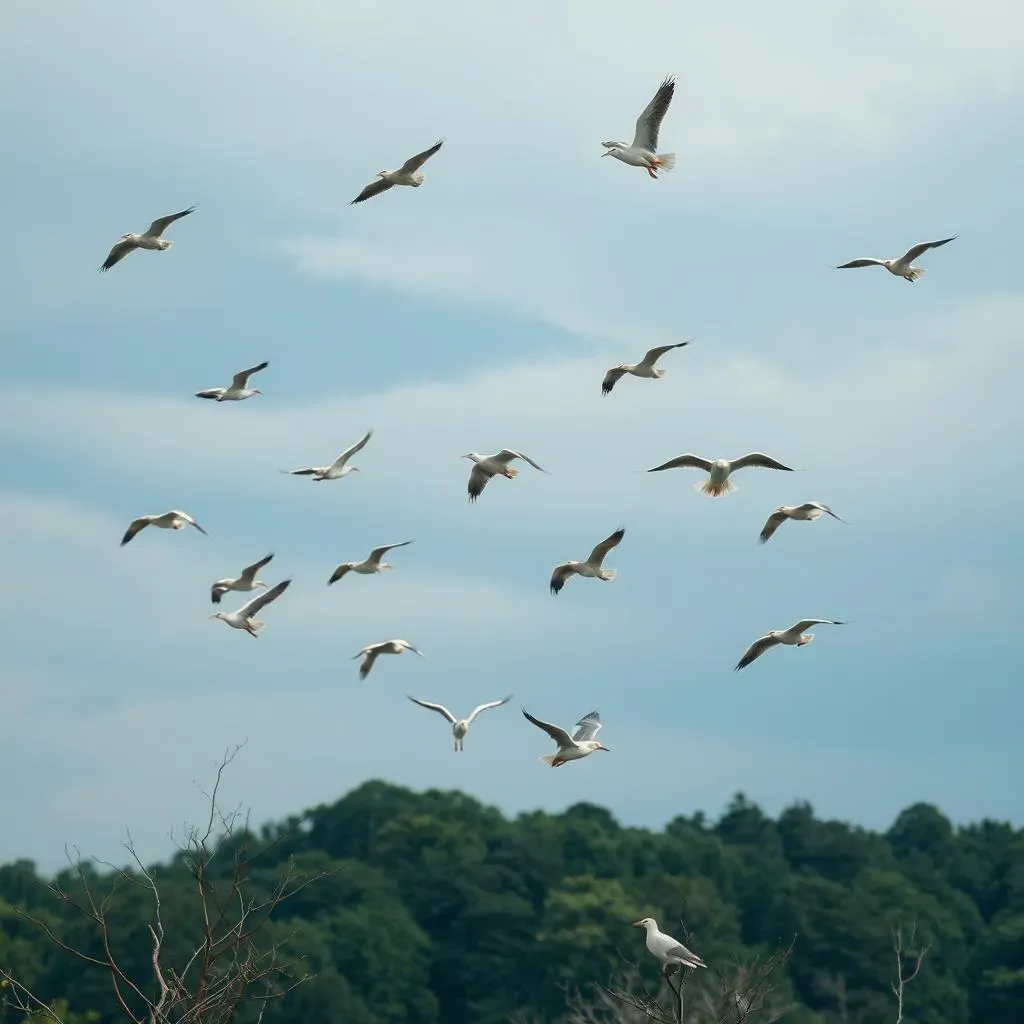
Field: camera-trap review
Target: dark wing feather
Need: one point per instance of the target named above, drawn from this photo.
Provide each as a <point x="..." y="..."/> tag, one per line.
<point x="373" y="189"/>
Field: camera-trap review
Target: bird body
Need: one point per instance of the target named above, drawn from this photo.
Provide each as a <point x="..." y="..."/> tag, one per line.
<point x="246" y="580"/>
<point x="460" y="726"/>
<point x="408" y="174"/>
<point x="902" y="266"/>
<point x="149" y="239"/>
<point x="173" y="520"/>
<point x="645" y="368"/>
<point x="794" y="637"/>
<point x="592" y="567"/>
<point x="336" y="469"/>
<point x="371" y="652"/>
<point x="371" y="565"/>
<point x="570" y="748"/>
<point x="244" y="618"/>
<point x="238" y="389"/>
<point x="807" y="512"/>
<point x="665" y="948"/>
<point x="486" y="466"/>
<point x="719" y="470"/>
<point x="643" y="152"/>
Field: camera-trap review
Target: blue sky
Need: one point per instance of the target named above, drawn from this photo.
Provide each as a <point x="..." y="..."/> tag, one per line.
<point x="479" y="312"/>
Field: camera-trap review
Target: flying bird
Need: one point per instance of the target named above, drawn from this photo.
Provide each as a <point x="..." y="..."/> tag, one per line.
<point x="794" y="636"/>
<point x="807" y="512"/>
<point x="245" y="581"/>
<point x="591" y="568"/>
<point x="570" y="748"/>
<point x="408" y="174"/>
<point x="338" y="468"/>
<point x="460" y="726"/>
<point x="372" y="564"/>
<point x="243" y="618"/>
<point x="901" y="266"/>
<point x="718" y="483"/>
<point x="644" y="150"/>
<point x="665" y="948"/>
<point x="149" y="239"/>
<point x="173" y="520"/>
<point x="486" y="466"/>
<point x="370" y="653"/>
<point x="645" y="368"/>
<point x="237" y="389"/>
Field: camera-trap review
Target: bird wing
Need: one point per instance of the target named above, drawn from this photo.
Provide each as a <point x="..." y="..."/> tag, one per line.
<point x="369" y="656"/>
<point x="775" y="520"/>
<point x="217" y="591"/>
<point x="477" y="482"/>
<point x="803" y="624"/>
<point x="865" y="262"/>
<point x="483" y="707"/>
<point x="249" y="572"/>
<point x="251" y="608"/>
<point x="352" y="449"/>
<point x="378" y="553"/>
<point x="241" y="379"/>
<point x="188" y="519"/>
<point x="210" y="393"/>
<point x="118" y="253"/>
<point x="506" y="455"/>
<point x="649" y="122"/>
<point x="758" y="460"/>
<point x="826" y="510"/>
<point x="338" y="573"/>
<point x="922" y="247"/>
<point x="684" y="462"/>
<point x="409" y="647"/>
<point x="161" y="224"/>
<point x="589" y="725"/>
<point x="375" y="188"/>
<point x="439" y="708"/>
<point x="755" y="650"/>
<point x="136" y="524"/>
<point x="414" y="163"/>
<point x="611" y="378"/>
<point x="654" y="354"/>
<point x="302" y="472"/>
<point x="560" y="575"/>
<point x="560" y="736"/>
<point x="602" y="549"/>
<point x="679" y="952"/>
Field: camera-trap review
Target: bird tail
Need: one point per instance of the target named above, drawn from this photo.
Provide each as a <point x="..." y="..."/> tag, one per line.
<point x="715" y="490"/>
<point x="549" y="759"/>
<point x="607" y="574"/>
<point x="915" y="273"/>
<point x="665" y="161"/>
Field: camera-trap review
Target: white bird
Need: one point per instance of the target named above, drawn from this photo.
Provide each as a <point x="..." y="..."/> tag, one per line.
<point x="173" y="520"/>
<point x="243" y="618"/>
<point x="338" y="468"/>
<point x="807" y="512"/>
<point x="645" y="368"/>
<point x="238" y="389"/>
<point x="486" y="466"/>
<point x="149" y="239"/>
<point x="407" y="174"/>
<point x="245" y="581"/>
<point x="665" y="948"/>
<point x="591" y="568"/>
<point x="460" y="726"/>
<point x="370" y="653"/>
<point x="718" y="483"/>
<point x="570" y="748"/>
<point x="644" y="150"/>
<point x="372" y="564"/>
<point x="794" y="636"/>
<point x="901" y="266"/>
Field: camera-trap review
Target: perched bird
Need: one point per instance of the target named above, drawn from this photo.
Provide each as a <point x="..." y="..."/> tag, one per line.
<point x="718" y="483"/>
<point x="486" y="466"/>
<point x="570" y="748"/>
<point x="901" y="266"/>
<point x="794" y="636"/>
<point x="460" y="726"/>
<point x="644" y="150"/>
<point x="238" y="389"/>
<point x="372" y="564"/>
<point x="645" y="368"/>
<point x="149" y="239"/>
<point x="173" y="520"/>
<point x="807" y="512"/>
<point x="246" y="581"/>
<point x="665" y="948"/>
<point x="591" y="568"/>
<point x="371" y="651"/>
<point x="243" y="618"/>
<point x="408" y="174"/>
<point x="338" y="468"/>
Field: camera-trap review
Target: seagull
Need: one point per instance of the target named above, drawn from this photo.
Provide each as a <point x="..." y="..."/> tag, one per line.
<point x="460" y="726"/>
<point x="718" y="483"/>
<point x="665" y="948"/>
<point x="407" y="174"/>
<point x="486" y="466"/>
<point x="149" y="239"/>
<point x="901" y="267"/>
<point x="644" y="151"/>
<point x="370" y="651"/>
<point x="246" y="581"/>
<point x="238" y="389"/>
<point x="645" y="368"/>
<point x="372" y="564"/>
<point x="591" y="567"/>
<point x="794" y="636"/>
<point x="243" y="618"/>
<point x="338" y="468"/>
<point x="572" y="748"/>
<point x="173" y="520"/>
<point x="807" y="512"/>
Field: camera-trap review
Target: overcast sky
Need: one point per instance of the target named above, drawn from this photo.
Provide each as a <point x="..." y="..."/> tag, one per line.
<point x="480" y="312"/>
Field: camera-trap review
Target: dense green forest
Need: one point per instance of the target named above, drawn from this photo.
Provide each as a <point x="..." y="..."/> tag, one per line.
<point x="432" y="907"/>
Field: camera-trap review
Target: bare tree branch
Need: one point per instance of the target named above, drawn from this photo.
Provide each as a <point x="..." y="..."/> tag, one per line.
<point x="905" y="955"/>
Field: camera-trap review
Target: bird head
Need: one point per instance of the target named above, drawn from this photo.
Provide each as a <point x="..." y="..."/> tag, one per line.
<point x="217" y="615"/>
<point x="644" y="922"/>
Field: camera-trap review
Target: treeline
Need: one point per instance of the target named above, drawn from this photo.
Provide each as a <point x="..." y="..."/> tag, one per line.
<point x="436" y="909"/>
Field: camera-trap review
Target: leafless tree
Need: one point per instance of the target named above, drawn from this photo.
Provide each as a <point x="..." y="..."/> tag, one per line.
<point x="226" y="965"/>
<point x="906" y="956"/>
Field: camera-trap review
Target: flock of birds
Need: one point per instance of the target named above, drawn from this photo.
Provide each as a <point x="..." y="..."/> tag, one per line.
<point x="643" y="153"/>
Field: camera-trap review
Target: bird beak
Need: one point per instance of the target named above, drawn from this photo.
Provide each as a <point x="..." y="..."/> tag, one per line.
<point x="637" y="924"/>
